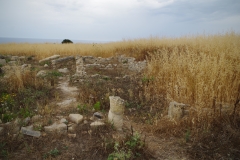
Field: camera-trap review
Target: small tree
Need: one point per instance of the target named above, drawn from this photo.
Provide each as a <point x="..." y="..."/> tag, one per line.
<point x="66" y="41"/>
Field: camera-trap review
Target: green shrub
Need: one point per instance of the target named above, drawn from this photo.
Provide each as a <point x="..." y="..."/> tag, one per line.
<point x="66" y="41"/>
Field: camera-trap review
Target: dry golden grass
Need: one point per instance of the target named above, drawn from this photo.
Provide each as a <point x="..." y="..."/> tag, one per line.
<point x="194" y="70"/>
<point x="198" y="70"/>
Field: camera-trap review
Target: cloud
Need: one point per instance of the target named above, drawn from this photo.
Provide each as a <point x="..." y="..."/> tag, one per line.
<point x="114" y="19"/>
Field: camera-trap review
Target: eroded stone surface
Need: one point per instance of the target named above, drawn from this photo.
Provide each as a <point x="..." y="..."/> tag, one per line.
<point x="97" y="124"/>
<point x="29" y="131"/>
<point x="56" y="127"/>
<point x="49" y="58"/>
<point x="76" y="118"/>
<point x="63" y="70"/>
<point x="115" y="114"/>
<point x="117" y="105"/>
<point x="41" y="73"/>
<point x="176" y="110"/>
<point x="2" y="61"/>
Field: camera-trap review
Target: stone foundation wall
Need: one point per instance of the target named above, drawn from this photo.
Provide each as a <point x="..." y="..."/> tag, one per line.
<point x="88" y="65"/>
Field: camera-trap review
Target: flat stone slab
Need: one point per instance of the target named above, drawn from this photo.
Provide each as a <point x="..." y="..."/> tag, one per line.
<point x="64" y="59"/>
<point x="76" y="118"/>
<point x="49" y="58"/>
<point x="2" y="61"/>
<point x="56" y="127"/>
<point x="63" y="70"/>
<point x="97" y="124"/>
<point x="29" y="131"/>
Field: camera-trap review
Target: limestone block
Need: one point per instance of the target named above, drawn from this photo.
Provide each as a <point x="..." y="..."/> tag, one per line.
<point x="117" y="105"/>
<point x="63" y="120"/>
<point x="97" y="124"/>
<point x="2" y="61"/>
<point x="176" y="110"/>
<point x="76" y="118"/>
<point x="56" y="127"/>
<point x="12" y="62"/>
<point x="64" y="59"/>
<point x="72" y="135"/>
<point x="49" y="58"/>
<point x="14" y="58"/>
<point x="72" y="127"/>
<point x="29" y="131"/>
<point x="116" y="120"/>
<point x="63" y="70"/>
<point x="22" y="58"/>
<point x="41" y="73"/>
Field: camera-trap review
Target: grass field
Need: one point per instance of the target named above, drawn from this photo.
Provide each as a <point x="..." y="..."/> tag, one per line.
<point x="202" y="71"/>
<point x="194" y="70"/>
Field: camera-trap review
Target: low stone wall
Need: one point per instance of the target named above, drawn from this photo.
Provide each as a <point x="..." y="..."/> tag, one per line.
<point x="65" y="62"/>
<point x="86" y="64"/>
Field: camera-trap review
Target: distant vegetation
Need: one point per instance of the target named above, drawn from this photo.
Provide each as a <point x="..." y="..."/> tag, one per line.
<point x="66" y="41"/>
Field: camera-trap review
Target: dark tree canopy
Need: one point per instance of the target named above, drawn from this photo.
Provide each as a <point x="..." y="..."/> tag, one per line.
<point x="66" y="41"/>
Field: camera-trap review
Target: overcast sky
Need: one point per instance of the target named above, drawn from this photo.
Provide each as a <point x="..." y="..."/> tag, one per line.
<point x="110" y="20"/>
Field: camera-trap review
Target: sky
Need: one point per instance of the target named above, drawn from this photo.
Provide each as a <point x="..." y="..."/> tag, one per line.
<point x="113" y="20"/>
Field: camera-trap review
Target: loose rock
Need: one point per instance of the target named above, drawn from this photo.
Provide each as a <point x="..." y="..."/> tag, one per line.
<point x="97" y="124"/>
<point x="72" y="135"/>
<point x="2" y="61"/>
<point x="14" y="58"/>
<point x="98" y="115"/>
<point x="76" y="118"/>
<point x="63" y="70"/>
<point x="56" y="127"/>
<point x="49" y="58"/>
<point x="41" y="73"/>
<point x="29" y="131"/>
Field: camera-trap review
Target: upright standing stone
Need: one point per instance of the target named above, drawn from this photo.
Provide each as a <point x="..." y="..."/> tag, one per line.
<point x="115" y="115"/>
<point x="176" y="110"/>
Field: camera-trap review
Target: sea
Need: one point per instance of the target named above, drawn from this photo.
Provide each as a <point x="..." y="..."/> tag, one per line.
<point x="33" y="40"/>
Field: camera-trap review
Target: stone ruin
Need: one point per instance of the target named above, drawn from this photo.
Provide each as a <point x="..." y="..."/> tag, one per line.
<point x="89" y="66"/>
<point x="177" y="111"/>
<point x="115" y="114"/>
<point x="85" y="65"/>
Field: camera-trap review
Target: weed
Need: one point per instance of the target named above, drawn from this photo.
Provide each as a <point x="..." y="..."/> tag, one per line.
<point x="25" y="112"/>
<point x="53" y="153"/>
<point x="82" y="108"/>
<point x="106" y="78"/>
<point x="96" y="106"/>
<point x="3" y="151"/>
<point x="7" y="104"/>
<point x="128" y="150"/>
<point x="187" y="135"/>
<point x="147" y="79"/>
<point x="37" y="127"/>
<point x="50" y="122"/>
<point x="52" y="76"/>
<point x="46" y="62"/>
